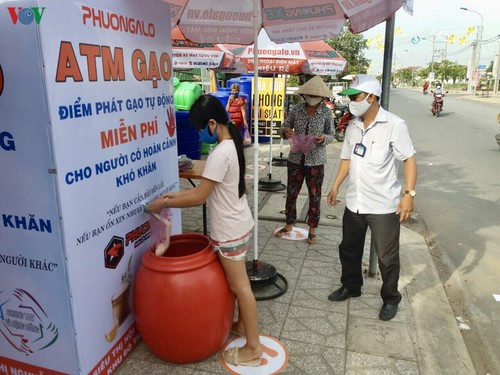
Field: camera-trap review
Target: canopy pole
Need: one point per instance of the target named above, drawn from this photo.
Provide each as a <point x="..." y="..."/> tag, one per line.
<point x="260" y="273"/>
<point x="280" y="161"/>
<point x="271" y="130"/>
<point x="268" y="184"/>
<point x="255" y="102"/>
<point x="386" y="87"/>
<point x="386" y="70"/>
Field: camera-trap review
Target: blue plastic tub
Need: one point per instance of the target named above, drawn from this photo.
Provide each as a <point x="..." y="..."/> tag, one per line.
<point x="188" y="140"/>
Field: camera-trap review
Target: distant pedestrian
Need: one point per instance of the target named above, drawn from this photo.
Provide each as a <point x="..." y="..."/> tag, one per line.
<point x="236" y="106"/>
<point x="310" y="126"/>
<point x="376" y="141"/>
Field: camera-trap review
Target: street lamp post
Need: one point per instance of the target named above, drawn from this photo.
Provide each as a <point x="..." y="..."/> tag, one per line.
<point x="412" y="68"/>
<point x="476" y="54"/>
<point x="427" y="38"/>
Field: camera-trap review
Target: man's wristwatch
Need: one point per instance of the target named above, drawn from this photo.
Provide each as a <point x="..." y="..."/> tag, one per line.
<point x="411" y="192"/>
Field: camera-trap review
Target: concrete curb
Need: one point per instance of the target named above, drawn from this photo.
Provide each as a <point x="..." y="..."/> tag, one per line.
<point x="440" y="344"/>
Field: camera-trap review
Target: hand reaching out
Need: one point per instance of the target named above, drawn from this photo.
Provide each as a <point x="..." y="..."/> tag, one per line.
<point x="287" y="133"/>
<point x="319" y="139"/>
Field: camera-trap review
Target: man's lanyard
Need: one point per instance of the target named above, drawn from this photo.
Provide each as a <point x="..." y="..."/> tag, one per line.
<point x="360" y="148"/>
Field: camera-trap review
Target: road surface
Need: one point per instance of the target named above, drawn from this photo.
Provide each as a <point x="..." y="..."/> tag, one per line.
<point x="458" y="209"/>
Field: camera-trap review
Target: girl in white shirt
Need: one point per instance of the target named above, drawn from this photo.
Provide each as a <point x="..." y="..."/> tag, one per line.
<point x="231" y="222"/>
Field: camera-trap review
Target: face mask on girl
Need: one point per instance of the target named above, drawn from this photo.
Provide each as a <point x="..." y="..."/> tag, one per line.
<point x="359" y="108"/>
<point x="312" y="101"/>
<point x="208" y="138"/>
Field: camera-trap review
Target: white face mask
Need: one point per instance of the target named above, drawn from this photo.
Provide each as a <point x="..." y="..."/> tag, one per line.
<point x="359" y="108"/>
<point x="312" y="101"/>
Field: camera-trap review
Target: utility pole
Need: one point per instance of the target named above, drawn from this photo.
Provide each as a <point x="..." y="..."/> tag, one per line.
<point x="433" y="53"/>
<point x="471" y="87"/>
<point x="476" y="55"/>
<point x="412" y="68"/>
<point x="478" y="61"/>
<point x="496" y="71"/>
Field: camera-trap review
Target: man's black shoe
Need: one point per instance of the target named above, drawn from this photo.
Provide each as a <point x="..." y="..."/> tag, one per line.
<point x="388" y="311"/>
<point x="343" y="293"/>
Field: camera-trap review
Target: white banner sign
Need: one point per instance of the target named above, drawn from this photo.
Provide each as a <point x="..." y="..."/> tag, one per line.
<point x="95" y="137"/>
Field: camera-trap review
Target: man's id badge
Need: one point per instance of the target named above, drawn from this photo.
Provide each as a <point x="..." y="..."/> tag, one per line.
<point x="359" y="149"/>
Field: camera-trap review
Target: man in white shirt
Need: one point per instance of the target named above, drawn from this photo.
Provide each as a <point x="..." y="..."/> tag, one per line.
<point x="376" y="142"/>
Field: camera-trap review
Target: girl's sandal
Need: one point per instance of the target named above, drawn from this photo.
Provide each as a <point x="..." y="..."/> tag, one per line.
<point x="311" y="239"/>
<point x="231" y="357"/>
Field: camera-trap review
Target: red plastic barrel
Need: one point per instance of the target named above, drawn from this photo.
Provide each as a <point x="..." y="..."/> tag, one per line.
<point x="183" y="306"/>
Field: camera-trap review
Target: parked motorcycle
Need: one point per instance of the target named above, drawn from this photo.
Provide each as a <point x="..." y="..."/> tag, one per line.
<point x="341" y="118"/>
<point x="437" y="104"/>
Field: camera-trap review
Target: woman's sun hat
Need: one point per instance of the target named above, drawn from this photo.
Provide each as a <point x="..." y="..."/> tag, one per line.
<point x="315" y="87"/>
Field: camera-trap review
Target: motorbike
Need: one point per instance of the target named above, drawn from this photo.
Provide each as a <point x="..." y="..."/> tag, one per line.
<point x="341" y="118"/>
<point x="425" y="88"/>
<point x="437" y="104"/>
<point x="341" y="122"/>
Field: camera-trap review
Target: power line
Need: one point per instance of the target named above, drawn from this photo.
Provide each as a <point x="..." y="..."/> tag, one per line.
<point x="458" y="52"/>
<point x="483" y="42"/>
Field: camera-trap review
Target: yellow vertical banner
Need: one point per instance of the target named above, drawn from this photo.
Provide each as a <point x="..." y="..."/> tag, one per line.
<point x="271" y="104"/>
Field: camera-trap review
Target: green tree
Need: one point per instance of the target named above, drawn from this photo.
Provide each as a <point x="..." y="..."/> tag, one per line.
<point x="443" y="70"/>
<point x="490" y="68"/>
<point x="404" y="75"/>
<point x="446" y="70"/>
<point x="351" y="47"/>
<point x="424" y="72"/>
<point x="458" y="72"/>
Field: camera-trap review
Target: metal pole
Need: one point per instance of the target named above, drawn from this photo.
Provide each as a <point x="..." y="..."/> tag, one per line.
<point x="412" y="68"/>
<point x="386" y="87"/>
<point x="271" y="131"/>
<point x="372" y="268"/>
<point x="433" y="52"/>
<point x="255" y="101"/>
<point x="386" y="70"/>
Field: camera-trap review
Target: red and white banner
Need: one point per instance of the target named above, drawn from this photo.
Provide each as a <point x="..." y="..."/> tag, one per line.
<point x="188" y="55"/>
<point x="228" y="21"/>
<point x="288" y="58"/>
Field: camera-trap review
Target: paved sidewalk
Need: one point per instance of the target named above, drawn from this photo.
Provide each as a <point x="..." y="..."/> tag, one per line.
<point x="493" y="99"/>
<point x="324" y="337"/>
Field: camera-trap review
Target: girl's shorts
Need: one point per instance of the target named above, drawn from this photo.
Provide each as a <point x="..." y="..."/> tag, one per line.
<point x="233" y="249"/>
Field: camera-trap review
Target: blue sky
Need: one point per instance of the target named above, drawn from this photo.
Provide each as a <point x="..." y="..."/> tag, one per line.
<point x="439" y="18"/>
